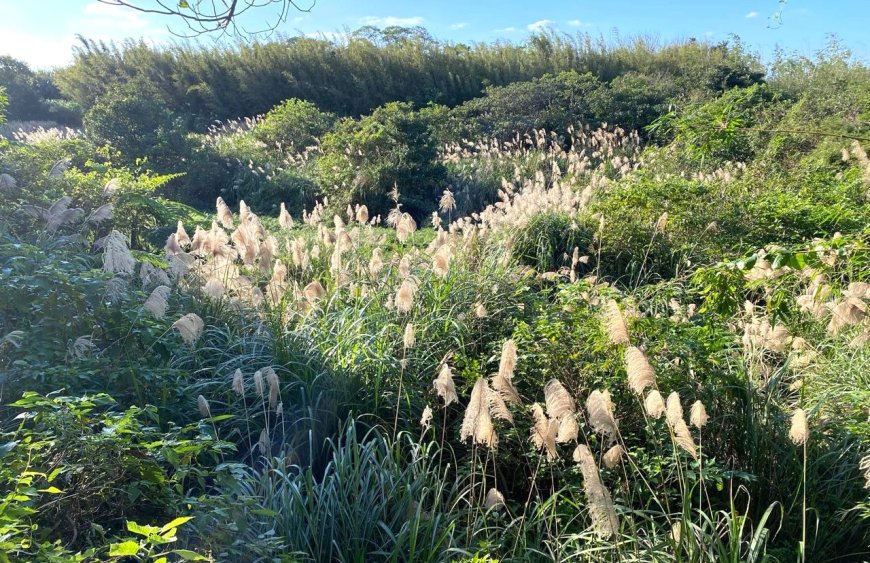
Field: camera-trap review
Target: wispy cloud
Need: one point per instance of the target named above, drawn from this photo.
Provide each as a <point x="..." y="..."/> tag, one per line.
<point x="540" y="25"/>
<point x="460" y="25"/>
<point x="751" y="15"/>
<point x="388" y="21"/>
<point x="506" y="30"/>
<point x="576" y="23"/>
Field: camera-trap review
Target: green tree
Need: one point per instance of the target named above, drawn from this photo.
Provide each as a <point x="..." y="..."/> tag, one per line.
<point x="363" y="160"/>
<point x="294" y="124"/>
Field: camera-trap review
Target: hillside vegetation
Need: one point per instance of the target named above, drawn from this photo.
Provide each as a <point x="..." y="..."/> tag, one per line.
<point x="394" y="299"/>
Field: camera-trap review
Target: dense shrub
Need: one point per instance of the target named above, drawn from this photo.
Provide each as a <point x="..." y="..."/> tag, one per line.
<point x="364" y="160"/>
<point x="132" y="119"/>
<point x="293" y="125"/>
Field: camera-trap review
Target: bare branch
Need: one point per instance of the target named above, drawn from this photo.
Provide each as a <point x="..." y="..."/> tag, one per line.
<point x="207" y="16"/>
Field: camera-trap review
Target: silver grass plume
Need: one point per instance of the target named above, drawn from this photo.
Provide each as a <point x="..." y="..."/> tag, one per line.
<point x="654" y="404"/>
<point x="285" y="220"/>
<point x="640" y="372"/>
<point x="189" y="327"/>
<point x="599" y="407"/>
<point x="674" y="410"/>
<point x="238" y="383"/>
<point x="477" y="423"/>
<point x="502" y="382"/>
<point x="614" y="322"/>
<point x="698" y="415"/>
<point x="181" y="235"/>
<point x="259" y="386"/>
<point x="600" y="504"/>
<point x="544" y="431"/>
<point x="426" y="418"/>
<point x="204" y="407"/>
<point x="116" y="256"/>
<point x="799" y="431"/>
<point x="612" y="456"/>
<point x="157" y="302"/>
<point x="444" y="386"/>
<point x="274" y="386"/>
<point x="494" y="499"/>
<point x="225" y="216"/>
<point x="408" y="338"/>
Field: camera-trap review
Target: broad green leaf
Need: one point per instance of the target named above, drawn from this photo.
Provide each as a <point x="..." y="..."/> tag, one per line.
<point x="176" y="523"/>
<point x="141" y="530"/>
<point x="123" y="549"/>
<point x="188" y="555"/>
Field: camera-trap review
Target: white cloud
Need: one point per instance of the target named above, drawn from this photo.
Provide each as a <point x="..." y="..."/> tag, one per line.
<point x="540" y="25"/>
<point x="752" y="14"/>
<point x="391" y="20"/>
<point x="38" y="51"/>
<point x="334" y="36"/>
<point x="460" y="25"/>
<point x="96" y="20"/>
<point x="506" y="30"/>
<point x="575" y="23"/>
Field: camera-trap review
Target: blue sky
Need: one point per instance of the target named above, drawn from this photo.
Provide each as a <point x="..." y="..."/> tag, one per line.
<point x="43" y="32"/>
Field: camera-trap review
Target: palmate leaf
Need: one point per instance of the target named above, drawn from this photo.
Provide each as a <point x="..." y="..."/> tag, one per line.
<point x="123" y="549"/>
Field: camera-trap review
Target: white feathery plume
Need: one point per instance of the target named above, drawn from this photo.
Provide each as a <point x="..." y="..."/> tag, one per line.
<point x="157" y="302"/>
<point x="225" y="216"/>
<point x="181" y="235"/>
<point x="285" y="220"/>
<point x="116" y="256"/>
<point x="600" y="504"/>
<point x="799" y="431"/>
<point x="614" y="322"/>
<point x="494" y="499"/>
<point x="640" y="372"/>
<point x="600" y="409"/>
<point x="190" y="327"/>
<point x="477" y="423"/>
<point x="544" y="431"/>
<point x="654" y="404"/>
<point x="444" y="386"/>
<point x="698" y="415"/>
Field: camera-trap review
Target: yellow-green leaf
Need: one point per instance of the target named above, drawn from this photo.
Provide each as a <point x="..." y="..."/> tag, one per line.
<point x="123" y="549"/>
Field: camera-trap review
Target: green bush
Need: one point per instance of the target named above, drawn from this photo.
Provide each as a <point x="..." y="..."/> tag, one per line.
<point x="363" y="160"/>
<point x="132" y="119"/>
<point x="293" y="125"/>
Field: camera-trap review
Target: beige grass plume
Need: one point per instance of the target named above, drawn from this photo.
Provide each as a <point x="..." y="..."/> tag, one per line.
<point x="362" y="214"/>
<point x="600" y="504"/>
<point x="376" y="263"/>
<point x="172" y="247"/>
<point x="313" y="292"/>
<point x="674" y="417"/>
<point x="444" y="386"/>
<point x="274" y="386"/>
<point x="181" y="236"/>
<point x="225" y="216"/>
<point x="502" y="382"/>
<point x="214" y="289"/>
<point x="204" y="407"/>
<point x="640" y="372"/>
<point x="612" y="456"/>
<point x="447" y="203"/>
<point x="285" y="220"/>
<point x="614" y="322"/>
<point x="674" y="410"/>
<point x="259" y="385"/>
<point x="799" y="431"/>
<point x="426" y="418"/>
<point x="494" y="499"/>
<point x="238" y="383"/>
<point x="190" y="327"/>
<point x="480" y="311"/>
<point x="116" y="256"/>
<point x="698" y="415"/>
<point x="477" y="423"/>
<point x="408" y="339"/>
<point x="544" y="431"/>
<point x="558" y="400"/>
<point x="244" y="212"/>
<point x="654" y="404"/>
<point x="599" y="407"/>
<point x="157" y="302"/>
<point x="405" y="296"/>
